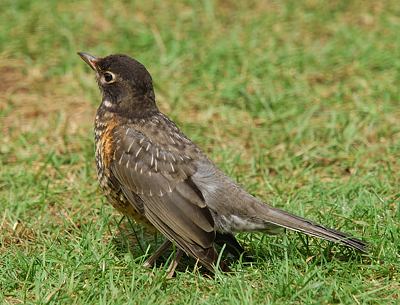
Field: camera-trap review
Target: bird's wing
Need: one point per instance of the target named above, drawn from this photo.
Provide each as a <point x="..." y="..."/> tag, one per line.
<point x="161" y="176"/>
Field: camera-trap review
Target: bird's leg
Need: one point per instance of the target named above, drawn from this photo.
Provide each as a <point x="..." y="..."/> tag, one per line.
<point x="174" y="264"/>
<point x="160" y="251"/>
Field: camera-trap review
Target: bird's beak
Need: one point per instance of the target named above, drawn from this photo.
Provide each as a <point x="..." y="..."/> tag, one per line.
<point x="89" y="59"/>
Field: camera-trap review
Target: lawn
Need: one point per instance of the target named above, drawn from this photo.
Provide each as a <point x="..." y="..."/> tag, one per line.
<point x="298" y="101"/>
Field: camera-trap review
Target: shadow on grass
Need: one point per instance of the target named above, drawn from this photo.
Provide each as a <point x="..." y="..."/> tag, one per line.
<point x="259" y="248"/>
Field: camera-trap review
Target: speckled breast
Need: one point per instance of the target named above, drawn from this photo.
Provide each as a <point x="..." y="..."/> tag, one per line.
<point x="108" y="182"/>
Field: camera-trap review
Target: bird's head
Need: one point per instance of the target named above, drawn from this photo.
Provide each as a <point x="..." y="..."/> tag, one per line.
<point x="125" y="83"/>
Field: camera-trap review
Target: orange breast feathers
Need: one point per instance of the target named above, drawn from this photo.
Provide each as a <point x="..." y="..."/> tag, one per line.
<point x="107" y="143"/>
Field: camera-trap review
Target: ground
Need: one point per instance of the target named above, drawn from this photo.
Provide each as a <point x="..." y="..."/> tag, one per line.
<point x="298" y="101"/>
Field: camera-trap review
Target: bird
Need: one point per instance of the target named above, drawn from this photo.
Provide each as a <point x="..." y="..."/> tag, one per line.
<point x="150" y="171"/>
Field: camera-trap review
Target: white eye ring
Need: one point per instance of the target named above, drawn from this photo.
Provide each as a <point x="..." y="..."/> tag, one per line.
<point x="108" y="77"/>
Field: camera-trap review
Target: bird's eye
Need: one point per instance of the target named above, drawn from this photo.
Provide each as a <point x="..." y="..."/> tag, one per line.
<point x="108" y="77"/>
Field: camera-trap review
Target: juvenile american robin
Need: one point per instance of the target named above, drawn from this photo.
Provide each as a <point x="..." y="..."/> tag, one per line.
<point x="151" y="172"/>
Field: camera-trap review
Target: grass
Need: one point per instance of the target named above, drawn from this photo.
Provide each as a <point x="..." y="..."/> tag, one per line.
<point x="297" y="100"/>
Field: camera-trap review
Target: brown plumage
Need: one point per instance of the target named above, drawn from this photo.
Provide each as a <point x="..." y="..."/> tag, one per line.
<point x="151" y="172"/>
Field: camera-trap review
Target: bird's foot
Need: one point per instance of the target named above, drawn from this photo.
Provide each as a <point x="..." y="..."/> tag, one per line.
<point x="174" y="264"/>
<point x="160" y="251"/>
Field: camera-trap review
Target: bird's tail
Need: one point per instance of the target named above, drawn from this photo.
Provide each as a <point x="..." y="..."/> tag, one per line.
<point x="284" y="219"/>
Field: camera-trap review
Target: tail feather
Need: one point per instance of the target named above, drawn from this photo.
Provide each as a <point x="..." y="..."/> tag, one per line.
<point x="284" y="219"/>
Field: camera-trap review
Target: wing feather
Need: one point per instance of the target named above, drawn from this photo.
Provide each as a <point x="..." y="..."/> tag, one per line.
<point x="161" y="177"/>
